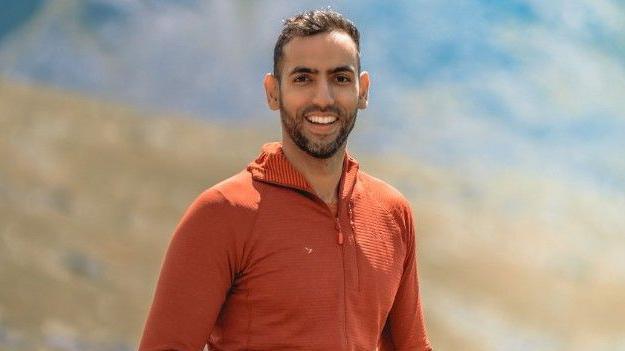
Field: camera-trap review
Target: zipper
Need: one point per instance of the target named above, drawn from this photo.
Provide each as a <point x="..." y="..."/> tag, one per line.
<point x="339" y="232"/>
<point x="339" y="238"/>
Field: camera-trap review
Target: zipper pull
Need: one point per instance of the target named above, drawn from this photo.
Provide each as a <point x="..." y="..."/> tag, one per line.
<point x="340" y="233"/>
<point x="351" y="216"/>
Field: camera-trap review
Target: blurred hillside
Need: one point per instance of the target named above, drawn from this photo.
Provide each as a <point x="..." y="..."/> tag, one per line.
<point x="89" y="194"/>
<point x="91" y="191"/>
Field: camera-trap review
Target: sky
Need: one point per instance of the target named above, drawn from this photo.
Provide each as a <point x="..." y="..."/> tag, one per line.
<point x="471" y="85"/>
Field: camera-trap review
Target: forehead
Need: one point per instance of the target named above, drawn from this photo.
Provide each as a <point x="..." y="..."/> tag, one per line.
<point x="320" y="51"/>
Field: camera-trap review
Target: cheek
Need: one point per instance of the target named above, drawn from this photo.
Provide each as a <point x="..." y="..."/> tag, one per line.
<point x="347" y="96"/>
<point x="294" y="105"/>
<point x="291" y="101"/>
<point x="348" y="101"/>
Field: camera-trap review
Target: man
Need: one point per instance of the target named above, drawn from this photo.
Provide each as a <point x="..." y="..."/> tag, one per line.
<point x="301" y="250"/>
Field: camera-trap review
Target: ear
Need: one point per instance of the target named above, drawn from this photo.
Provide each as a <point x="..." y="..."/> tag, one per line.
<point x="272" y="89"/>
<point x="363" y="95"/>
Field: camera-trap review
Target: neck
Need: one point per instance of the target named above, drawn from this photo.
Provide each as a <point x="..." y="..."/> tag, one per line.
<point x="322" y="174"/>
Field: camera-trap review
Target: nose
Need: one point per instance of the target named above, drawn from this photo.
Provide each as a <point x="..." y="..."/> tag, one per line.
<point x="324" y="96"/>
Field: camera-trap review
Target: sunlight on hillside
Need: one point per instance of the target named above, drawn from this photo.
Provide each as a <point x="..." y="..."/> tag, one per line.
<point x="91" y="191"/>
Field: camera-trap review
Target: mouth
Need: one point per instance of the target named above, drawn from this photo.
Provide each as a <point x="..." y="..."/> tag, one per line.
<point x="321" y="120"/>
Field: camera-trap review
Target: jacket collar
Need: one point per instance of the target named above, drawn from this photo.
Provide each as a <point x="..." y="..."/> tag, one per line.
<point x="272" y="166"/>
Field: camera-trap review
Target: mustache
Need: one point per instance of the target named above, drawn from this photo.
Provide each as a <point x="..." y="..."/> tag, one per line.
<point x="314" y="108"/>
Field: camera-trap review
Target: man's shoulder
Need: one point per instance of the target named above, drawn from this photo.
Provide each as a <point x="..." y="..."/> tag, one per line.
<point x="388" y="198"/>
<point x="383" y="191"/>
<point x="234" y="193"/>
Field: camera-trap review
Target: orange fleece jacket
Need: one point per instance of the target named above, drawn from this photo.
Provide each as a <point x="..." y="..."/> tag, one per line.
<point x="259" y="262"/>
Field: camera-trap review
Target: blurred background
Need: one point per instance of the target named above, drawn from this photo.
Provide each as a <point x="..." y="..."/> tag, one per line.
<point x="503" y="122"/>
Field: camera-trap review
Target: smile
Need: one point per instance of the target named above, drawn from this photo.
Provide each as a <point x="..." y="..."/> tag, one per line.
<point x="321" y="119"/>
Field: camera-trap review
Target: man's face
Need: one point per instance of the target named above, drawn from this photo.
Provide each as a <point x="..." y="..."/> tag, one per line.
<point x="320" y="91"/>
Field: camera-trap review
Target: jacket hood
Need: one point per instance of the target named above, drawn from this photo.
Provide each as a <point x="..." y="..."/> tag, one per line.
<point x="272" y="166"/>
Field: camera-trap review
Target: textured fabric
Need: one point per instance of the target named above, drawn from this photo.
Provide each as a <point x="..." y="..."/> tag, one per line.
<point x="259" y="262"/>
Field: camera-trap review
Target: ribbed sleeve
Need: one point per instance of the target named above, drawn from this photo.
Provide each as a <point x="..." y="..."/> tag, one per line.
<point x="405" y="327"/>
<point x="197" y="272"/>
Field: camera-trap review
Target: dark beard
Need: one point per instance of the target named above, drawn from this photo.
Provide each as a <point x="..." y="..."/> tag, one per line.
<point x="293" y="126"/>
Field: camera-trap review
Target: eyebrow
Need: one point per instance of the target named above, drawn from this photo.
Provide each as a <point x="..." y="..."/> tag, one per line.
<point x="345" y="68"/>
<point x="302" y="69"/>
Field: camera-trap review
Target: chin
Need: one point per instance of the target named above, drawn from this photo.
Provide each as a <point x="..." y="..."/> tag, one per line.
<point x="322" y="152"/>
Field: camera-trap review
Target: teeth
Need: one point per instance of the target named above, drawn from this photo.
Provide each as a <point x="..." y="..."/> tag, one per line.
<point x="321" y="120"/>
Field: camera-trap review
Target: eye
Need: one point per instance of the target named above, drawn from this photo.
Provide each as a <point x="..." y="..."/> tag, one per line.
<point x="343" y="79"/>
<point x="301" y="79"/>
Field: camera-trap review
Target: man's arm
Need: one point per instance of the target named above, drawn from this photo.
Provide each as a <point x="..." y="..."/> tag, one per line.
<point x="195" y="277"/>
<point x="405" y="328"/>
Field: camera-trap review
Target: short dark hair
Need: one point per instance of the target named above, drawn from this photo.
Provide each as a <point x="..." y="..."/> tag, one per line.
<point x="310" y="23"/>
